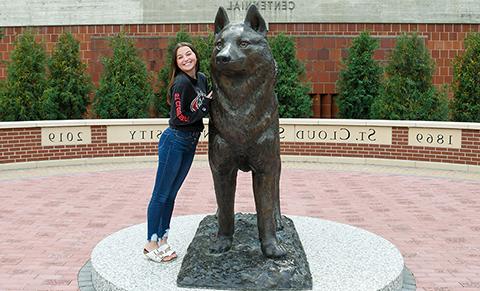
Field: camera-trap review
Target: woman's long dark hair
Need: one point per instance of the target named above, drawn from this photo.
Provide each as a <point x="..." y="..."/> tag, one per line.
<point x="174" y="69"/>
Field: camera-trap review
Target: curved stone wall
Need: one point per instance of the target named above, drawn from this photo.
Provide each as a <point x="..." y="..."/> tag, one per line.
<point x="393" y="142"/>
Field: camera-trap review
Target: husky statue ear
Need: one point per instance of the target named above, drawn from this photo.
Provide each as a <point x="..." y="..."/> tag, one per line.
<point x="255" y="20"/>
<point x="221" y="20"/>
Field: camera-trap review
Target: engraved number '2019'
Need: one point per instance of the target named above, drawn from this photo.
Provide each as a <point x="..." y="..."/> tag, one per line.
<point x="65" y="137"/>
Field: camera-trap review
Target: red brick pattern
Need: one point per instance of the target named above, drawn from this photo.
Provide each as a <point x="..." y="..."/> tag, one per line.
<point x="24" y="145"/>
<point x="321" y="46"/>
<point x="430" y="216"/>
<point x="20" y="145"/>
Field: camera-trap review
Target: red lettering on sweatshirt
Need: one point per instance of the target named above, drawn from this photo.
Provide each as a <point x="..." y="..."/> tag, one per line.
<point x="178" y="108"/>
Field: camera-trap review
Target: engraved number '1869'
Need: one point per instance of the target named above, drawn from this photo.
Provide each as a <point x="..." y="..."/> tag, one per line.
<point x="439" y="139"/>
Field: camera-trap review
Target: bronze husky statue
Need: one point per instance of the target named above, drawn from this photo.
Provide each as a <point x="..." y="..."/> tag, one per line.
<point x="243" y="127"/>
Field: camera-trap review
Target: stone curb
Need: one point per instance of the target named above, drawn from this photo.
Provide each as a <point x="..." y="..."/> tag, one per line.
<point x="85" y="279"/>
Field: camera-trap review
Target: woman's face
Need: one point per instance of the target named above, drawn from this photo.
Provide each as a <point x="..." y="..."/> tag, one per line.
<point x="186" y="60"/>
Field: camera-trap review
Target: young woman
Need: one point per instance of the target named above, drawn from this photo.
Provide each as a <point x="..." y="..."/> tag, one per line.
<point x="189" y="102"/>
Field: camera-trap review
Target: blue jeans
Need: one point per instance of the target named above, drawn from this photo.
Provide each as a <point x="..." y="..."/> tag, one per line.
<point x="176" y="150"/>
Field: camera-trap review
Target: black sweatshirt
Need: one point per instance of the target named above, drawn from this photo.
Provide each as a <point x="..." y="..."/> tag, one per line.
<point x="189" y="103"/>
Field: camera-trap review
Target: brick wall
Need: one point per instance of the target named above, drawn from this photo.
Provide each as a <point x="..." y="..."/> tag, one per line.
<point x="320" y="46"/>
<point x="23" y="144"/>
<point x="399" y="150"/>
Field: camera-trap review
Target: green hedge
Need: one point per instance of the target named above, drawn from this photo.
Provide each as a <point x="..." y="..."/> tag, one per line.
<point x="125" y="88"/>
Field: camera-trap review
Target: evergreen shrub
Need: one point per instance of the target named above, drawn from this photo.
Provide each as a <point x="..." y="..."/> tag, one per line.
<point x="292" y="94"/>
<point x="360" y="80"/>
<point x="466" y="85"/>
<point x="69" y="85"/>
<point x="408" y="92"/>
<point x="125" y="89"/>
<point x="26" y="80"/>
<point x="204" y="47"/>
<point x="3" y="86"/>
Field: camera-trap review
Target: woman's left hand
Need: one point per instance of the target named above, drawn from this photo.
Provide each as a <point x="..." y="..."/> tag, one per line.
<point x="209" y="96"/>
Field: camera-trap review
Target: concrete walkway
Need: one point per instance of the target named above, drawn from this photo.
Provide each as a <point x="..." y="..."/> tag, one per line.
<point x="51" y="218"/>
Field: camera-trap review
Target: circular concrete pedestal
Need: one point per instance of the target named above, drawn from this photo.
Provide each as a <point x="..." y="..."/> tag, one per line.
<point x="341" y="257"/>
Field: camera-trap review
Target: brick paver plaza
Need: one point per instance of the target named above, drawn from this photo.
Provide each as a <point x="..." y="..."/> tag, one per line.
<point x="52" y="218"/>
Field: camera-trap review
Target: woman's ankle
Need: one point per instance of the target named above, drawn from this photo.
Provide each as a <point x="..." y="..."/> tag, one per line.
<point x="151" y="245"/>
